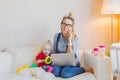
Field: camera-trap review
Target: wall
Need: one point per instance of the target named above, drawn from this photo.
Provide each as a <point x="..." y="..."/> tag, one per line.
<point x="30" y="22"/>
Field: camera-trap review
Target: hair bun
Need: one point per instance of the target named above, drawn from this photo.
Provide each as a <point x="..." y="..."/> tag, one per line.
<point x="70" y="15"/>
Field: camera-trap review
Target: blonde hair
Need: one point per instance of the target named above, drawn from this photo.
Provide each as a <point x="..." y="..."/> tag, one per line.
<point x="48" y="43"/>
<point x="69" y="16"/>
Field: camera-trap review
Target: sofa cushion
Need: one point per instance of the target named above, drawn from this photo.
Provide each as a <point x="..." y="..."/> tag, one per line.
<point x="5" y="62"/>
<point x="22" y="56"/>
<point x="26" y="55"/>
<point x="80" y="57"/>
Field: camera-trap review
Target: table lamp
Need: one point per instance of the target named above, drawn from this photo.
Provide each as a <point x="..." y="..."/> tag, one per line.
<point x="111" y="7"/>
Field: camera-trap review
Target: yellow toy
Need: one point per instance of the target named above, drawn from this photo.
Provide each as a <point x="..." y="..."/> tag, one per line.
<point x="21" y="68"/>
<point x="25" y="66"/>
<point x="48" y="60"/>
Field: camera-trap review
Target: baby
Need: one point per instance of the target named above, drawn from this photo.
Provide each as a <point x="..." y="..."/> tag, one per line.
<point x="40" y="58"/>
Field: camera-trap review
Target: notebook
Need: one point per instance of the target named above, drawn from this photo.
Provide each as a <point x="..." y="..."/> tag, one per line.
<point x="63" y="59"/>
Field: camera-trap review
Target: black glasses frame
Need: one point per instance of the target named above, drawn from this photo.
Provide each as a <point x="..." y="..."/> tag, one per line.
<point x="65" y="24"/>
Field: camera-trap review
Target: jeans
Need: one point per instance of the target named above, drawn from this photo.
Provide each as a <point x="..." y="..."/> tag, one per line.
<point x="70" y="71"/>
<point x="57" y="70"/>
<point x="67" y="71"/>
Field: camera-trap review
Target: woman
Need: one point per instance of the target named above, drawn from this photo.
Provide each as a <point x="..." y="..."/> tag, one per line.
<point x="66" y="42"/>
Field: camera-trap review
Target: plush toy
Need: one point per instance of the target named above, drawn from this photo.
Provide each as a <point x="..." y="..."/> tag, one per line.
<point x="43" y="58"/>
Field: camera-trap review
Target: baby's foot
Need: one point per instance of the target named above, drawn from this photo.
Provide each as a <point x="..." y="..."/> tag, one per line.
<point x="50" y="69"/>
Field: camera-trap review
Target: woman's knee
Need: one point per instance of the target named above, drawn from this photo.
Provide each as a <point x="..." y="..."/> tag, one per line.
<point x="56" y="71"/>
<point x="71" y="71"/>
<point x="65" y="73"/>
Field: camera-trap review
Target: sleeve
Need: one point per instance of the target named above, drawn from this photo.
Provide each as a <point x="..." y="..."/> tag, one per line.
<point x="75" y="45"/>
<point x="54" y="42"/>
<point x="39" y="56"/>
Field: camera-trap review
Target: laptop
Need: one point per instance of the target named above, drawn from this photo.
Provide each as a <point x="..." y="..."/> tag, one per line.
<point x="63" y="59"/>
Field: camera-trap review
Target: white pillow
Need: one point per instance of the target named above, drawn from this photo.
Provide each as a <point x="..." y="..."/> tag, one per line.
<point x="80" y="57"/>
<point x="22" y="56"/>
<point x="5" y="62"/>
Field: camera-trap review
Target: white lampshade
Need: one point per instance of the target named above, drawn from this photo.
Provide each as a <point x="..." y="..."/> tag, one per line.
<point x="110" y="7"/>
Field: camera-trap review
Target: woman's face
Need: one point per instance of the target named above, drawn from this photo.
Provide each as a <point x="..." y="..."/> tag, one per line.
<point x="66" y="26"/>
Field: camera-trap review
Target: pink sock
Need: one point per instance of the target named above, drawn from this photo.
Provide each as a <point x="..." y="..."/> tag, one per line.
<point x="49" y="69"/>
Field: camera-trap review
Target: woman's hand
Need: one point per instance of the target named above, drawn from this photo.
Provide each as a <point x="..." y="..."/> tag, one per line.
<point x="69" y="35"/>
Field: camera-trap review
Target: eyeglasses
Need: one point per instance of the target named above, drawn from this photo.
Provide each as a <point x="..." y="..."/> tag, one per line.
<point x="66" y="25"/>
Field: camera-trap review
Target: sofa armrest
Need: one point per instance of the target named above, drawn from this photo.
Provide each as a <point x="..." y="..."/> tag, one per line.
<point x="101" y="66"/>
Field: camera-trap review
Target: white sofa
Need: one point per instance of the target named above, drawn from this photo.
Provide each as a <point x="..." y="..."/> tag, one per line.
<point x="13" y="58"/>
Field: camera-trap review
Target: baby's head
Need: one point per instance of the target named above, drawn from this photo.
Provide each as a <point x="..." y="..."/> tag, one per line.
<point x="47" y="48"/>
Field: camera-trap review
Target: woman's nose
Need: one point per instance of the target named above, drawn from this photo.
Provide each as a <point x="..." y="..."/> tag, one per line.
<point x="65" y="26"/>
